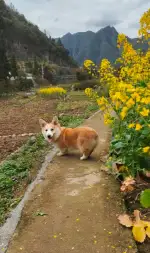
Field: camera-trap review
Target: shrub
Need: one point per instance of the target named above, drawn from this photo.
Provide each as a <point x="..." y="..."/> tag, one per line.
<point x="42" y="82"/>
<point x="52" y="92"/>
<point x="86" y="84"/>
<point x="23" y="84"/>
<point x="82" y="75"/>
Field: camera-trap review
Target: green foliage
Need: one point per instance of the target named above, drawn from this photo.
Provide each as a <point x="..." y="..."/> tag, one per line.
<point x="82" y="75"/>
<point x="36" y="69"/>
<point x="4" y="63"/>
<point x="127" y="145"/>
<point x="86" y="84"/>
<point x="145" y="198"/>
<point x="16" y="169"/>
<point x="14" y="69"/>
<point x="24" y="84"/>
<point x="74" y="120"/>
<point x="70" y="120"/>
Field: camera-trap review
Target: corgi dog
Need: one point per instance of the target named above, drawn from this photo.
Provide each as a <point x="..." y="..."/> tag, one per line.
<point x="85" y="139"/>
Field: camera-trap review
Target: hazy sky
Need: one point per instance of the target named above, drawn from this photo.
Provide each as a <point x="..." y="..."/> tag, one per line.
<point x="59" y="17"/>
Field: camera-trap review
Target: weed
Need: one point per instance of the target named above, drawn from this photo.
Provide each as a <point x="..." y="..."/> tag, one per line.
<point x="15" y="170"/>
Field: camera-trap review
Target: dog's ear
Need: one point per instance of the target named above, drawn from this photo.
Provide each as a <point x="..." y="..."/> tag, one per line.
<point x="42" y="123"/>
<point x="55" y="120"/>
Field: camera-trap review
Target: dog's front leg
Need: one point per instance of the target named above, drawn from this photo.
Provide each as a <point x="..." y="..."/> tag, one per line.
<point x="62" y="152"/>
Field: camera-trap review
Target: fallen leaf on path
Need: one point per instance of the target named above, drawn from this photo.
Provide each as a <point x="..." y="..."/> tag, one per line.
<point x="148" y="231"/>
<point x="113" y="247"/>
<point x="138" y="230"/>
<point x="41" y="214"/>
<point x="125" y="220"/>
<point x="127" y="184"/>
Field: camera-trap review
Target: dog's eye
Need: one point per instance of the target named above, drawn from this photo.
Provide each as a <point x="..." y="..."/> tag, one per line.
<point x="46" y="130"/>
<point x="52" y="129"/>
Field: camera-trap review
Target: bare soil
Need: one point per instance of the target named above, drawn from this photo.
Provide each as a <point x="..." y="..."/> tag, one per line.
<point x="19" y="116"/>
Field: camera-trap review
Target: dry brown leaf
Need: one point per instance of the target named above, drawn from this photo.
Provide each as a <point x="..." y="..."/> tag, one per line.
<point x="127" y="184"/>
<point x="140" y="228"/>
<point x="147" y="173"/>
<point x="125" y="220"/>
<point x="125" y="188"/>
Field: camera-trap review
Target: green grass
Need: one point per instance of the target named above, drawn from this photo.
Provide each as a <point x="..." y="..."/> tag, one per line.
<point x="70" y="120"/>
<point x="66" y="86"/>
<point x="77" y="95"/>
<point x="76" y="120"/>
<point x="16" y="170"/>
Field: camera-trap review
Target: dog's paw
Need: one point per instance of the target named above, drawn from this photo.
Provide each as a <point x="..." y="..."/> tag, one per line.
<point x="60" y="154"/>
<point x="83" y="157"/>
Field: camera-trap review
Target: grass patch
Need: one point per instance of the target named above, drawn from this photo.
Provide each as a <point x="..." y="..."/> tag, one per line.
<point x="72" y="105"/>
<point x="16" y="171"/>
<point x="67" y="86"/>
<point x="70" y="120"/>
<point x="77" y="95"/>
<point x="76" y="120"/>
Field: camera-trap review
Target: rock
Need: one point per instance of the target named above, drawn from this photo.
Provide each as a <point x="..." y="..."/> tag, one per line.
<point x="32" y="139"/>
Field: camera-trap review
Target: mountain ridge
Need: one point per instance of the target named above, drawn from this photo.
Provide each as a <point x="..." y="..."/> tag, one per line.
<point x="96" y="45"/>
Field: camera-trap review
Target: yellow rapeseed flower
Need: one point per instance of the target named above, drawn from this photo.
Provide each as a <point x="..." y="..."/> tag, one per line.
<point x="138" y="127"/>
<point x="131" y="125"/>
<point x="123" y="112"/>
<point x="130" y="103"/>
<point x="52" y="90"/>
<point x="146" y="149"/>
<point x="145" y="112"/>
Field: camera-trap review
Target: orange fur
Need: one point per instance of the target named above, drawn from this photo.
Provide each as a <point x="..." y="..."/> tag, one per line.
<point x="85" y="139"/>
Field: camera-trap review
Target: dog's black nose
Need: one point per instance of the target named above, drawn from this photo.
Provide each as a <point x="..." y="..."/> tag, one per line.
<point x="49" y="137"/>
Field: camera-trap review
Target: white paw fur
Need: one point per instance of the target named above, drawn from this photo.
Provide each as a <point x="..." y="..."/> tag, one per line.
<point x="84" y="157"/>
<point x="60" y="154"/>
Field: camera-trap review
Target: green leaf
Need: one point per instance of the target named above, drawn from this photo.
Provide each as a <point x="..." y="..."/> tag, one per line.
<point x="40" y="214"/>
<point x="145" y="198"/>
<point x="119" y="145"/>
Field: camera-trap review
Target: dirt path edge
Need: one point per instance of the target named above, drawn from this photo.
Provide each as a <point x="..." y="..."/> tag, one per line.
<point x="7" y="230"/>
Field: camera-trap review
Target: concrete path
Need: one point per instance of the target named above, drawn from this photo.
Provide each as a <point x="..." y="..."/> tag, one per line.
<point x="81" y="203"/>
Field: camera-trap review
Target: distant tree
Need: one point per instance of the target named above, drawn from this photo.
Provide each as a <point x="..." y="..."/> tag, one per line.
<point x="29" y="66"/>
<point x="4" y="63"/>
<point x="14" y="69"/>
<point x="36" y="70"/>
<point x="59" y="43"/>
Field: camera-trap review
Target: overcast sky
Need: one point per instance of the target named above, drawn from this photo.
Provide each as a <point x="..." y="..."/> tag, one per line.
<point x="59" y="17"/>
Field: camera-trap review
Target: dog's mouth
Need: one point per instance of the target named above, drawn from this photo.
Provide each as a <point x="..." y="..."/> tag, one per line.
<point x="49" y="138"/>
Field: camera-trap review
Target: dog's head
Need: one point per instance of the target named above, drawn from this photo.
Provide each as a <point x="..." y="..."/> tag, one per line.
<point x="51" y="131"/>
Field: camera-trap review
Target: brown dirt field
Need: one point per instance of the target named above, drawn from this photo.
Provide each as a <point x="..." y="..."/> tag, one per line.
<point x="19" y="116"/>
